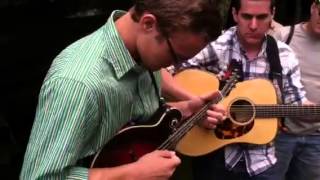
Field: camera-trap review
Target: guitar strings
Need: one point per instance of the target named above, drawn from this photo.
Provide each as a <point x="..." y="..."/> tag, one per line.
<point x="282" y="110"/>
<point x="185" y="127"/>
<point x="170" y="143"/>
<point x="172" y="140"/>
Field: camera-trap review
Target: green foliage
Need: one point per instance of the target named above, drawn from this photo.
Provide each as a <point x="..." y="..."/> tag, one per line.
<point x="224" y="6"/>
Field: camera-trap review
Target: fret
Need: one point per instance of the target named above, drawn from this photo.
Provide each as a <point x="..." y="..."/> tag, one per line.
<point x="270" y="111"/>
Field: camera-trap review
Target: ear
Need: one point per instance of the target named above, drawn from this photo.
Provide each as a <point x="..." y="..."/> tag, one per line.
<point x="272" y="16"/>
<point x="273" y="12"/>
<point x="313" y="8"/>
<point x="235" y="15"/>
<point x="148" y="22"/>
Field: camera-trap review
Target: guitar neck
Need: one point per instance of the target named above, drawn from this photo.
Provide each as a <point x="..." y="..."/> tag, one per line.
<point x="190" y="122"/>
<point x="170" y="143"/>
<point x="271" y="111"/>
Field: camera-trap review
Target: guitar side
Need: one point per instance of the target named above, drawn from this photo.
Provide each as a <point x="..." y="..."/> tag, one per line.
<point x="132" y="142"/>
<point x="199" y="141"/>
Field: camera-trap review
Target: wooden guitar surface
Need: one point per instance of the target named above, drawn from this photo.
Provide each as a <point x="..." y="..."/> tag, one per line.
<point x="200" y="141"/>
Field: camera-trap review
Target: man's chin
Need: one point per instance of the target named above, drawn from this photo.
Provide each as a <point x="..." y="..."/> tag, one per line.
<point x="253" y="41"/>
<point x="317" y="32"/>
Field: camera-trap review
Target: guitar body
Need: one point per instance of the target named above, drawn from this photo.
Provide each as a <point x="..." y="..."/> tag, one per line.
<point x="197" y="82"/>
<point x="132" y="142"/>
<point x="200" y="141"/>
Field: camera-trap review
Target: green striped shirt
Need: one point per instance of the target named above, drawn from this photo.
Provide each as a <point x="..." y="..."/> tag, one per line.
<point x="92" y="89"/>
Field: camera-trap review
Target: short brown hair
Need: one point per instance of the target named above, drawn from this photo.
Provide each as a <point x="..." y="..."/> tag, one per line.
<point x="198" y="16"/>
<point x="237" y="4"/>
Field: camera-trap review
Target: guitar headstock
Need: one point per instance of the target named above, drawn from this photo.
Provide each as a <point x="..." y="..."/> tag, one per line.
<point x="231" y="82"/>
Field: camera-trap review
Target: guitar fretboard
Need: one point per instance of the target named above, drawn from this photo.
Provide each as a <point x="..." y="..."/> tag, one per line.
<point x="272" y="111"/>
<point x="190" y="122"/>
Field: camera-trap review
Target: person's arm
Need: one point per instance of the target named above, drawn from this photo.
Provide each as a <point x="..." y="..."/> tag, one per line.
<point x="171" y="90"/>
<point x="153" y="166"/>
<point x="205" y="60"/>
<point x="311" y="119"/>
<point x="65" y="119"/>
<point x="293" y="91"/>
<point x="214" y="115"/>
<point x="66" y="124"/>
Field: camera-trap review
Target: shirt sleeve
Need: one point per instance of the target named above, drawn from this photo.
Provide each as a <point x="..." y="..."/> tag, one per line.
<point x="66" y="116"/>
<point x="294" y="92"/>
<point x="282" y="33"/>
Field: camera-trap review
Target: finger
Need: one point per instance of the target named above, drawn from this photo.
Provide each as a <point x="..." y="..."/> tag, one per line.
<point x="171" y="155"/>
<point x="167" y="154"/>
<point x="214" y="115"/>
<point x="209" y="123"/>
<point x="211" y="126"/>
<point x="176" y="160"/>
<point x="195" y="103"/>
<point x="210" y="96"/>
<point x="212" y="120"/>
<point x="219" y="108"/>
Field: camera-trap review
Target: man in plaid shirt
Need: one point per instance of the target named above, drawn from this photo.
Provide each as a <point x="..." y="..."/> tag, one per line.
<point x="298" y="144"/>
<point x="246" y="44"/>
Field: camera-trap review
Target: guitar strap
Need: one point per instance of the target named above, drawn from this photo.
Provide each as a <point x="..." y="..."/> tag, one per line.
<point x="273" y="58"/>
<point x="154" y="82"/>
<point x="290" y="34"/>
<point x="274" y="61"/>
<point x="275" y="67"/>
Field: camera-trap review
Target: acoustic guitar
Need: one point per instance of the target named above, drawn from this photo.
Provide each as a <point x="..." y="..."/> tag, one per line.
<point x="164" y="130"/>
<point x="252" y="118"/>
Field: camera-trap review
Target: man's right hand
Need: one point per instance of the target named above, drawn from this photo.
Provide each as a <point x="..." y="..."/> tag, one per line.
<point x="157" y="165"/>
<point x="216" y="114"/>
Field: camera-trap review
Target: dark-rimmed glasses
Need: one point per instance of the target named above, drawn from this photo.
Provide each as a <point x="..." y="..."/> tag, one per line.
<point x="317" y="2"/>
<point x="172" y="52"/>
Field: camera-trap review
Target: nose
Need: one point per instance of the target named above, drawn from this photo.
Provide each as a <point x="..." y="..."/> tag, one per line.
<point x="253" y="25"/>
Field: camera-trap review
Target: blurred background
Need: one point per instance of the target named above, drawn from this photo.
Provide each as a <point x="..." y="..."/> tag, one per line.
<point x="33" y="32"/>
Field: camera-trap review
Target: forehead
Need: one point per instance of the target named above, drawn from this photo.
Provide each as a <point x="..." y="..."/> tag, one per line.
<point x="255" y="6"/>
<point x="317" y="6"/>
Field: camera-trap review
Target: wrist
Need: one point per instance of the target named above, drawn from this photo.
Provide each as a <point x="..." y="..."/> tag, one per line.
<point x="126" y="172"/>
<point x="132" y="171"/>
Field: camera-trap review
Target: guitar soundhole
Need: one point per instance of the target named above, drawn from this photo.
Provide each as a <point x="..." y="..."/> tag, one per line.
<point x="241" y="112"/>
<point x="240" y="121"/>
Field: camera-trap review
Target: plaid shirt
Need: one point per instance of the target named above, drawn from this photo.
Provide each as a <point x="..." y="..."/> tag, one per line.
<point x="215" y="57"/>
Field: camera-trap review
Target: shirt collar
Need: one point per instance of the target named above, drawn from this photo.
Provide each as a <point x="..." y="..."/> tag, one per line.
<point x="116" y="52"/>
